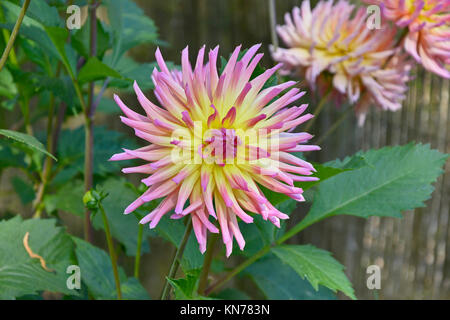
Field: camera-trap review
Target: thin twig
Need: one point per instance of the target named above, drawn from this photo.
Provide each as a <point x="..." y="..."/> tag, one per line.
<point x="137" y="260"/>
<point x="14" y="33"/>
<point x="89" y="123"/>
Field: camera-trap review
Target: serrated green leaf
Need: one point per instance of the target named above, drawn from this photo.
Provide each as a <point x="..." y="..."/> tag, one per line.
<point x="278" y="281"/>
<point x="47" y="15"/>
<point x="323" y="173"/>
<point x="107" y="142"/>
<point x="97" y="274"/>
<point x="30" y="141"/>
<point x="317" y="266"/>
<point x="129" y="26"/>
<point x="59" y="36"/>
<point x="186" y="288"/>
<point x="19" y="273"/>
<point x="94" y="70"/>
<point x="397" y="179"/>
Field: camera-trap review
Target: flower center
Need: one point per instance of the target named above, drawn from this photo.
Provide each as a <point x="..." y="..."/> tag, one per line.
<point x="221" y="145"/>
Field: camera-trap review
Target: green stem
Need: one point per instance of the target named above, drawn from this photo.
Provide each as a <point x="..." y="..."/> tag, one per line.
<point x="176" y="260"/>
<point x="207" y="264"/>
<point x="89" y="123"/>
<point x="7" y="36"/>
<point x="112" y="252"/>
<point x="14" y="33"/>
<point x="138" y="251"/>
<point x="335" y="125"/>
<point x="319" y="109"/>
<point x="48" y="161"/>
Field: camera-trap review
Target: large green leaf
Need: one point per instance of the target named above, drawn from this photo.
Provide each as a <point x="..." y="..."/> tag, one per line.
<point x="94" y="69"/>
<point x="44" y="13"/>
<point x="323" y="172"/>
<point x="59" y="37"/>
<point x="29" y="141"/>
<point x="279" y="281"/>
<point x="317" y="266"/>
<point x="129" y="26"/>
<point x="107" y="142"/>
<point x="186" y="288"/>
<point x="130" y="69"/>
<point x="397" y="179"/>
<point x="19" y="273"/>
<point x="97" y="274"/>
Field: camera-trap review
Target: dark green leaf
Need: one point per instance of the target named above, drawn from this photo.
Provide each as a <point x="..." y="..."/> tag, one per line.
<point x="19" y="273"/>
<point x="397" y="179"/>
<point x="279" y="281"/>
<point x="94" y="70"/>
<point x="317" y="266"/>
<point x="29" y="141"/>
<point x="129" y="26"/>
<point x="107" y="142"/>
<point x="97" y="274"/>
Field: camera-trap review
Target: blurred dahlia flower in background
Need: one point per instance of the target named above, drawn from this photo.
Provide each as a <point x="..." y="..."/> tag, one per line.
<point x="203" y="145"/>
<point x="428" y="23"/>
<point x="332" y="47"/>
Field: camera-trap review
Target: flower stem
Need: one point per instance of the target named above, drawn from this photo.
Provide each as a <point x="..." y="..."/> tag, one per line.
<point x="207" y="264"/>
<point x="176" y="260"/>
<point x="7" y="36"/>
<point x="48" y="161"/>
<point x="89" y="122"/>
<point x="319" y="109"/>
<point x="137" y="261"/>
<point x="112" y="252"/>
<point x="14" y="33"/>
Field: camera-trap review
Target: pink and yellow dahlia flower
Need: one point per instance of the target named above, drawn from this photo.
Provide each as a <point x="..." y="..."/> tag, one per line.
<point x="331" y="45"/>
<point x="428" y="37"/>
<point x="215" y="140"/>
